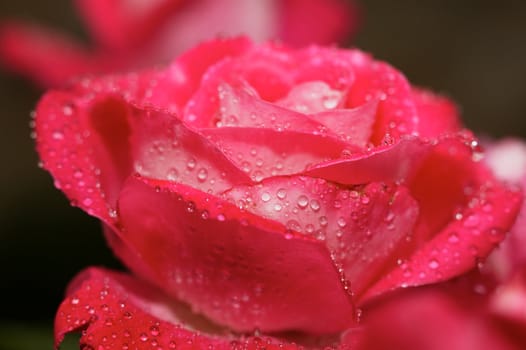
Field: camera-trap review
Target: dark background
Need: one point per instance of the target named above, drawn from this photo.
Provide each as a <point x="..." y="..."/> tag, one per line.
<point x="471" y="50"/>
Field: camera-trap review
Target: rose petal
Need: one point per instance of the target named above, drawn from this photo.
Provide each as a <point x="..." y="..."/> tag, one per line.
<point x="125" y="24"/>
<point x="489" y="210"/>
<point x="290" y="152"/>
<point x="271" y="71"/>
<point x="335" y="21"/>
<point x="437" y="114"/>
<point x="507" y="160"/>
<point x="312" y="97"/>
<point x="352" y="125"/>
<point x="46" y="56"/>
<point x="509" y="300"/>
<point x="397" y="323"/>
<point x="362" y="228"/>
<point x="164" y="148"/>
<point x="77" y="135"/>
<point x="65" y="150"/>
<point x="241" y="107"/>
<point x="232" y="266"/>
<point x="117" y="312"/>
<point x="397" y="113"/>
<point x="394" y="162"/>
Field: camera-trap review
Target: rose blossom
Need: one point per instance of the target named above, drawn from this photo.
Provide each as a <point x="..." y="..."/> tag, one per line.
<point x="127" y="34"/>
<point x="268" y="188"/>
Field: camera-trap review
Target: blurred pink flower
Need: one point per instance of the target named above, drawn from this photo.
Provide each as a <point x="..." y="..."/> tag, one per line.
<point x="129" y="34"/>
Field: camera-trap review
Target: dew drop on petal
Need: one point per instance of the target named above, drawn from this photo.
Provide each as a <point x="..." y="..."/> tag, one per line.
<point x="314" y="205"/>
<point x="154" y="331"/>
<point x="282" y="193"/>
<point x="433" y="264"/>
<point x="453" y="238"/>
<point x="191" y="164"/>
<point x="265" y="196"/>
<point x="202" y="174"/>
<point x="303" y="201"/>
<point x="172" y="174"/>
<point x="57" y="135"/>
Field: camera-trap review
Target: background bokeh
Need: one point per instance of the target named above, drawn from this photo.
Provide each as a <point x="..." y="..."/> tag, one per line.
<point x="472" y="50"/>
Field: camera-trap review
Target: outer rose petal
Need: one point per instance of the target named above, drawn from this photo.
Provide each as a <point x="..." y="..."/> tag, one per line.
<point x="459" y="245"/>
<point x="437" y="114"/>
<point x="125" y="24"/>
<point x="230" y="265"/>
<point x="49" y="58"/>
<point x="335" y="21"/>
<point x="397" y="114"/>
<point x="119" y="312"/>
<point x="430" y="319"/>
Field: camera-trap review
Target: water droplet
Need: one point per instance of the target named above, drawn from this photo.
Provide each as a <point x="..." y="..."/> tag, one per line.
<point x="154" y="330"/>
<point x="309" y="228"/>
<point x="143" y="337"/>
<point x="282" y="193"/>
<point x="220" y="217"/>
<point x="323" y="220"/>
<point x="67" y="110"/>
<point x="471" y="221"/>
<point x="57" y="135"/>
<point x="293" y="225"/>
<point x="314" y="205"/>
<point x="434" y="264"/>
<point x="172" y="174"/>
<point x="75" y="301"/>
<point x="331" y="102"/>
<point x="202" y="174"/>
<point x="453" y="238"/>
<point x="303" y="201"/>
<point x="341" y="222"/>
<point x="265" y="196"/>
<point x="190" y="207"/>
<point x="277" y="207"/>
<point x="191" y="164"/>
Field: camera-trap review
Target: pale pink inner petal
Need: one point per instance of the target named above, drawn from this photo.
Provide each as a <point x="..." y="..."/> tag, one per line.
<point x="385" y="163"/>
<point x="164" y="148"/>
<point x="312" y="97"/>
<point x="355" y="125"/>
<point x="263" y="153"/>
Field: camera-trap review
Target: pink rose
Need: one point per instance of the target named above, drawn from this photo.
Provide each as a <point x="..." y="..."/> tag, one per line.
<point x="128" y="34"/>
<point x="268" y="188"/>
